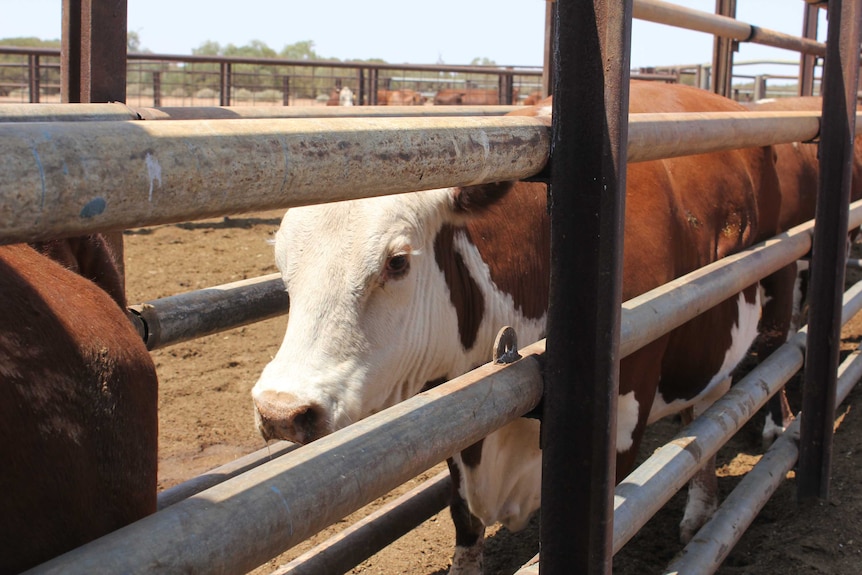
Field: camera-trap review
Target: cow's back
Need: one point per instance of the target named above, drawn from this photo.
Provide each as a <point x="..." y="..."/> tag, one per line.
<point x="798" y="164"/>
<point x="78" y="420"/>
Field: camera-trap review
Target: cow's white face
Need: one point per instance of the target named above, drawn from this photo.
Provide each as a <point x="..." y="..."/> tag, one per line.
<point x="370" y="321"/>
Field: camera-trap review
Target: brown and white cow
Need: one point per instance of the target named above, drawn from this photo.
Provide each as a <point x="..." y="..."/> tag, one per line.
<point x="391" y="293"/>
<point x="78" y="405"/>
<point x="798" y="168"/>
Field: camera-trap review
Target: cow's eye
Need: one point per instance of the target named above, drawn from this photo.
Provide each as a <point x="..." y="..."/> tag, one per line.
<point x="397" y="266"/>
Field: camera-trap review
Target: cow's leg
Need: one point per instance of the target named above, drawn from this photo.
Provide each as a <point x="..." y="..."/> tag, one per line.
<point x="783" y="297"/>
<point x="469" y="530"/>
<point x="702" y="498"/>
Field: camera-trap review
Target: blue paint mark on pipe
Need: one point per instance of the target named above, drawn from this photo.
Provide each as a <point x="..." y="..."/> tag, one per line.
<point x="278" y="492"/>
<point x="94" y="207"/>
<point x="41" y="176"/>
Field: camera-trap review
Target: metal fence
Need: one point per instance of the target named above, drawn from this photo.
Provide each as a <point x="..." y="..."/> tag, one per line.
<point x="33" y="75"/>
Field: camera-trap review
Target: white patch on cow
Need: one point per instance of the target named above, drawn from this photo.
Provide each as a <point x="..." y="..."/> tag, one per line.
<point x="742" y="336"/>
<point x="506" y="486"/>
<point x="345" y="97"/>
<point x="154" y="172"/>
<point x="627" y="419"/>
<point x="699" y="507"/>
<point x="499" y="306"/>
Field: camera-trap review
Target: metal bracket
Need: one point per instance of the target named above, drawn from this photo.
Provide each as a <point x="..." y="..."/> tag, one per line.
<point x="505" y="352"/>
<point x="506" y="346"/>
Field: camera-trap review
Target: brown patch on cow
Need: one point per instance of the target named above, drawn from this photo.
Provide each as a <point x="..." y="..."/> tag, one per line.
<point x="468" y="527"/>
<point x="433" y="383"/>
<point x="464" y="293"/>
<point x="472" y="456"/>
<point x="513" y="235"/>
<point x="472" y="199"/>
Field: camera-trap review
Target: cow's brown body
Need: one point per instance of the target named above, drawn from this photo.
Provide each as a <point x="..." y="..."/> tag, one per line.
<point x="78" y="401"/>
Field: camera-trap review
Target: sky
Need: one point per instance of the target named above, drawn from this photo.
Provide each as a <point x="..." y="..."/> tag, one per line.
<point x="508" y="32"/>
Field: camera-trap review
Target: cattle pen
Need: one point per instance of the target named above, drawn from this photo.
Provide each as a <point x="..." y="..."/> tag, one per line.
<point x="80" y="168"/>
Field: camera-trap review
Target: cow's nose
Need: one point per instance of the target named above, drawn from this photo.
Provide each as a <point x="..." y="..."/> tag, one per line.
<point x="282" y="415"/>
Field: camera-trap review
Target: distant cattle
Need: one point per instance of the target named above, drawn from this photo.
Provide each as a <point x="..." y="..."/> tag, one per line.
<point x="469" y="97"/>
<point x="340" y="97"/>
<point x="78" y="406"/>
<point x="400" y="98"/>
<point x="411" y="289"/>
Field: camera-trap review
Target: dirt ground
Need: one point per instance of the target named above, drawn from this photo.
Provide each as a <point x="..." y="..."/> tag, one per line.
<point x="206" y="420"/>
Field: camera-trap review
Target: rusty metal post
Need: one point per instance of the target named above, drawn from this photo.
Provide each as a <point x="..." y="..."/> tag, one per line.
<point x="587" y="201"/>
<point x="807" y="61"/>
<point x="157" y="88"/>
<point x="840" y="78"/>
<point x="506" y="82"/>
<point x="93" y="57"/>
<point x="373" y="86"/>
<point x="224" y="84"/>
<point x="547" y="63"/>
<point x="93" y="65"/>
<point x="722" y="52"/>
<point x="33" y="77"/>
<point x="360" y="91"/>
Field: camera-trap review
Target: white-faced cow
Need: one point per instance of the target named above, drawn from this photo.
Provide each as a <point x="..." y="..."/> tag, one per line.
<point x="391" y="293"/>
<point x="78" y="405"/>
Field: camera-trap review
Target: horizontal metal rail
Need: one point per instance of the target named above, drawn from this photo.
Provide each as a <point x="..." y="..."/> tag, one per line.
<point x="243" y="522"/>
<point x="182" y="317"/>
<point x="690" y="19"/>
<point x="355" y="544"/>
<point x="70" y="178"/>
<point x="122" y="112"/>
<point x="715" y="540"/>
<point x="224" y="472"/>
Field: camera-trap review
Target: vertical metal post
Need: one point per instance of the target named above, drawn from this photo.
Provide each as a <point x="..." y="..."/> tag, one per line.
<point x="722" y="53"/>
<point x="34" y="83"/>
<point x="373" y="86"/>
<point x="547" y="64"/>
<point x="157" y="88"/>
<point x="93" y="54"/>
<point x="224" y="84"/>
<point x="360" y="91"/>
<point x="840" y="78"/>
<point x="807" y="61"/>
<point x="285" y="90"/>
<point x="93" y="65"/>
<point x="586" y="199"/>
<point x="506" y="88"/>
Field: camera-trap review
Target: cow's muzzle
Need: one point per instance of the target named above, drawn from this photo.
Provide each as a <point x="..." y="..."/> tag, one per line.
<point x="282" y="415"/>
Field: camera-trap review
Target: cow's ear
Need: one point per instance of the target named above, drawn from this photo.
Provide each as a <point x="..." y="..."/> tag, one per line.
<point x="469" y="200"/>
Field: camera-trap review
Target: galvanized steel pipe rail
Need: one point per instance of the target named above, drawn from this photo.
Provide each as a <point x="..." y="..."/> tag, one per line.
<point x="71" y="178"/>
<point x="678" y="16"/>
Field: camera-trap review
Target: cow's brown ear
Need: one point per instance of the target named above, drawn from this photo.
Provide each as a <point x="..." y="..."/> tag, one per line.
<point x="473" y="199"/>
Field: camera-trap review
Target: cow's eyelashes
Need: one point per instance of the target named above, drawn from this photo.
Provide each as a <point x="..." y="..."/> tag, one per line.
<point x="397" y="266"/>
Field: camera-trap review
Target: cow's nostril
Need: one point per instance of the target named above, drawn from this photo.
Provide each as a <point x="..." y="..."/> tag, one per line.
<point x="284" y="416"/>
<point x="305" y="423"/>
